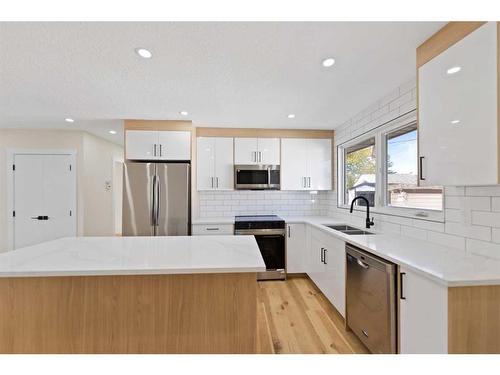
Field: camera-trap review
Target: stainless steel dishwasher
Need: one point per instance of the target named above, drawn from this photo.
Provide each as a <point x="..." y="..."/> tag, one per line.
<point x="371" y="300"/>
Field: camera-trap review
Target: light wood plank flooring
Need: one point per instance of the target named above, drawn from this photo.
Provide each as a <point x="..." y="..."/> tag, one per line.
<point x="295" y="317"/>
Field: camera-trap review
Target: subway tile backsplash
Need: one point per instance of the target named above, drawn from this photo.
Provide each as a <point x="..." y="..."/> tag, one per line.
<point x="248" y="202"/>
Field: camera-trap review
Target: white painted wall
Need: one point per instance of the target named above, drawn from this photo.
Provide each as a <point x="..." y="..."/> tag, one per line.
<point x="94" y="166"/>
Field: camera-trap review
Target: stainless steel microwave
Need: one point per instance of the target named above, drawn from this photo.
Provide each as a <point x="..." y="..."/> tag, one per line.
<point x="257" y="177"/>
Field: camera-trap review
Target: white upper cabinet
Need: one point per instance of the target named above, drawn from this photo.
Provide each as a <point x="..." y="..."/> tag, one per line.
<point x="174" y="145"/>
<point x="158" y="145"/>
<point x="269" y="150"/>
<point x="257" y="151"/>
<point x="306" y="164"/>
<point x="215" y="163"/>
<point x="205" y="165"/>
<point x="245" y="151"/>
<point x="319" y="164"/>
<point x="458" y="104"/>
<point x="141" y="144"/>
<point x="294" y="167"/>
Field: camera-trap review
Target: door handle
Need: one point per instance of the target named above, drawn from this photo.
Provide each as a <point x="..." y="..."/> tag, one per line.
<point x="325" y="251"/>
<point x="322" y="256"/>
<point x="260" y="156"/>
<point x="420" y="167"/>
<point x="401" y="274"/>
<point x="212" y="181"/>
<point x="217" y="180"/>
<point x="308" y="181"/>
<point x="303" y="182"/>
<point x="362" y="264"/>
<point x="40" y="217"/>
<point x="160" y="149"/>
<point x="154" y="149"/>
<point x="289" y="230"/>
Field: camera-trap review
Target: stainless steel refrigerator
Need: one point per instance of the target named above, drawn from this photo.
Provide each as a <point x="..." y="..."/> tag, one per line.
<point x="156" y="199"/>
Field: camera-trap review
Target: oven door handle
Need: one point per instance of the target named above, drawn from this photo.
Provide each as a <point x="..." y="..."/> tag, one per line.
<point x="261" y="232"/>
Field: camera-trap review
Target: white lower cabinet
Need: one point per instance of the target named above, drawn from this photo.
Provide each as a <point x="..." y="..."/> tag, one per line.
<point x="326" y="266"/>
<point x="296" y="248"/>
<point x="212" y="229"/>
<point x="423" y="314"/>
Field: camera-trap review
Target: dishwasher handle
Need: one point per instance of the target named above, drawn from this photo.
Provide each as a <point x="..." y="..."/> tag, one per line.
<point x="362" y="264"/>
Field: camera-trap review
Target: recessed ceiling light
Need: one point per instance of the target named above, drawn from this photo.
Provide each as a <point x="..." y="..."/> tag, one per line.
<point x="454" y="70"/>
<point x="112" y="132"/>
<point x="184" y="113"/>
<point x="291" y="115"/>
<point x="328" y="62"/>
<point x="454" y="122"/>
<point x="69" y="120"/>
<point x="144" y="53"/>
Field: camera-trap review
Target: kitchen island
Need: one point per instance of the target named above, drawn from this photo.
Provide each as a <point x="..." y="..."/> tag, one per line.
<point x="131" y="295"/>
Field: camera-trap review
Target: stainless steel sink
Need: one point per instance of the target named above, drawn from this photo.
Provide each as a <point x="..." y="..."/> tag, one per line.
<point x="347" y="229"/>
<point x="341" y="227"/>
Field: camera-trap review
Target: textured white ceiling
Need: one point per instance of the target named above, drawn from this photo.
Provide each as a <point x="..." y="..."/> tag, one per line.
<point x="99" y="128"/>
<point x="224" y="74"/>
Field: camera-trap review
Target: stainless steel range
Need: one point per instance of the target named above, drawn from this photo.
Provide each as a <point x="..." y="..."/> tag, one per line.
<point x="269" y="231"/>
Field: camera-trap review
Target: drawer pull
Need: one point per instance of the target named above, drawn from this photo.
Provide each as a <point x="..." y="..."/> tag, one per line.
<point x="212" y="228"/>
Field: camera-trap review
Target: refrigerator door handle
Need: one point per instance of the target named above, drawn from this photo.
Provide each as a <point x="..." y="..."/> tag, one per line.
<point x="153" y="206"/>
<point x="157" y="215"/>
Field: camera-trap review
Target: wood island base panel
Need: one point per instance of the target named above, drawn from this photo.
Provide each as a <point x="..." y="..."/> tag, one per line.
<point x="187" y="313"/>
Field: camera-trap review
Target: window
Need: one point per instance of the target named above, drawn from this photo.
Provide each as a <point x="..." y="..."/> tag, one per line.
<point x="382" y="166"/>
<point x="360" y="177"/>
<point x="401" y="173"/>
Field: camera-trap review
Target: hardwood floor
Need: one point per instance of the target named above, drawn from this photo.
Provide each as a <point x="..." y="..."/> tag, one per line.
<point x="295" y="317"/>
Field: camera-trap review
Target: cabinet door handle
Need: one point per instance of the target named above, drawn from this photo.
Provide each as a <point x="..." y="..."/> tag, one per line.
<point x="308" y="181"/>
<point x="325" y="251"/>
<point x="217" y="182"/>
<point x="260" y="157"/>
<point x="254" y="156"/>
<point x="303" y="182"/>
<point x="289" y="230"/>
<point x="154" y="149"/>
<point x="401" y="295"/>
<point x="212" y="181"/>
<point x="420" y="168"/>
<point x="160" y="149"/>
<point x="322" y="255"/>
<point x="212" y="228"/>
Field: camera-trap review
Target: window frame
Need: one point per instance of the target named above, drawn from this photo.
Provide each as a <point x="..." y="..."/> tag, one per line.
<point x="381" y="200"/>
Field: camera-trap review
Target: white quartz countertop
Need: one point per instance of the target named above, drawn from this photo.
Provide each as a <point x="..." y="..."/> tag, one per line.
<point x="81" y="256"/>
<point x="445" y="265"/>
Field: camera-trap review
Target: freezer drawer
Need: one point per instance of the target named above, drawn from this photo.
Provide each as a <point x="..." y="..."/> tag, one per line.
<point x="371" y="300"/>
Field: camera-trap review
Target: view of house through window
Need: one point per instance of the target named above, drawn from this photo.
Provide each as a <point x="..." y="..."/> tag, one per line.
<point x="402" y="174"/>
<point x="360" y="167"/>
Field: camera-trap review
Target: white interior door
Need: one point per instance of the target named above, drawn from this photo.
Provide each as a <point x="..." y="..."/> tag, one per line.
<point x="44" y="198"/>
